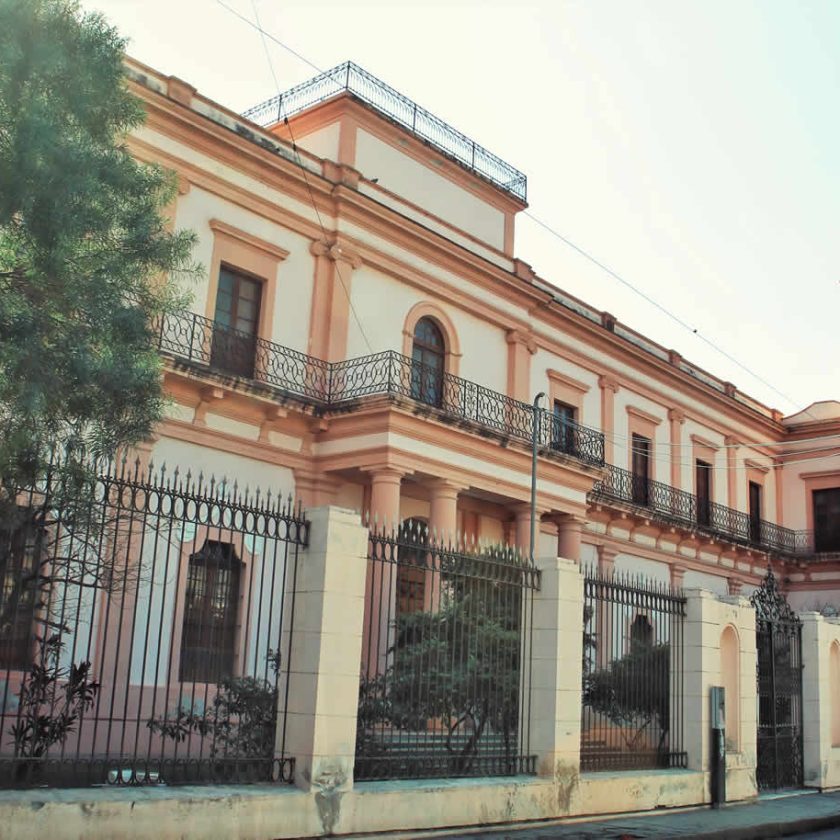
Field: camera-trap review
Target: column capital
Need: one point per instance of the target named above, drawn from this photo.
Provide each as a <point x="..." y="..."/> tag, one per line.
<point x="676" y="415"/>
<point x="677" y="575"/>
<point x="336" y="251"/>
<point x="731" y="440"/>
<point x="526" y="339"/>
<point x="445" y="487"/>
<point x="607" y="382"/>
<point x="386" y="472"/>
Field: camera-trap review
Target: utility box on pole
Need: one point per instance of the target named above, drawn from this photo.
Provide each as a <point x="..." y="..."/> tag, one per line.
<point x="717" y="697"/>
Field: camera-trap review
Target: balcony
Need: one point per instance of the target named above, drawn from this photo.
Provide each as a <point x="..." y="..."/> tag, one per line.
<point x="352" y="79"/>
<point x="677" y="507"/>
<point x="340" y="386"/>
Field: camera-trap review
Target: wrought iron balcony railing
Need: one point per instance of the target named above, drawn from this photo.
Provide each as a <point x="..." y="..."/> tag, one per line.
<point x="370" y="90"/>
<point x="684" y="509"/>
<point x="337" y="385"/>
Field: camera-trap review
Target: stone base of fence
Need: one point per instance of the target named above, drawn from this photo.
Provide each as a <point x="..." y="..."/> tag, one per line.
<point x="250" y="812"/>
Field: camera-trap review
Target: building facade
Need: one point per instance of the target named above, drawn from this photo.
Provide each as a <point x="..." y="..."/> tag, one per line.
<point x="365" y="335"/>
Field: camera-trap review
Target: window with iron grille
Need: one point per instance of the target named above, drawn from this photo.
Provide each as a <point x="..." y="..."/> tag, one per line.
<point x="428" y="355"/>
<point x="19" y="553"/>
<point x="210" y="614"/>
<point x="563" y="432"/>
<point x="235" y="323"/>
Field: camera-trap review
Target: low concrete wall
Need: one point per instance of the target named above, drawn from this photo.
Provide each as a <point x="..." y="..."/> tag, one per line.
<point x="272" y="813"/>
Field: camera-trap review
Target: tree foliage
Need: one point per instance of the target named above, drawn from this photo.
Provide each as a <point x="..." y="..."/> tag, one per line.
<point x="87" y="262"/>
<point x="458" y="664"/>
<point x="634" y="692"/>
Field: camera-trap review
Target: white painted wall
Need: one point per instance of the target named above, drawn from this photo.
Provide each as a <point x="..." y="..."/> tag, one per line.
<point x="661" y="441"/>
<point x="293" y="296"/>
<point x="323" y="142"/>
<point x="704" y="580"/>
<point x="419" y="184"/>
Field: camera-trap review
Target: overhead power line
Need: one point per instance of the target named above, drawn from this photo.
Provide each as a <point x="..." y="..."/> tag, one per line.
<point x="547" y="227"/>
<point x="337" y="268"/>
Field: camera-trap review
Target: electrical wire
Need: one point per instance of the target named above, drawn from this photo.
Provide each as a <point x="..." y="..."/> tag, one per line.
<point x="568" y="242"/>
<point x="263" y="35"/>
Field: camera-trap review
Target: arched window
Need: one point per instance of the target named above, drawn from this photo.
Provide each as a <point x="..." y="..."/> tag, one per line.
<point x="641" y="632"/>
<point x="411" y="565"/>
<point x="210" y="613"/>
<point x="428" y="355"/>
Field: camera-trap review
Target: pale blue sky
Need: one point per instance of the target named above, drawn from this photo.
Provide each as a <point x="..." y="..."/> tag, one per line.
<point x="691" y="146"/>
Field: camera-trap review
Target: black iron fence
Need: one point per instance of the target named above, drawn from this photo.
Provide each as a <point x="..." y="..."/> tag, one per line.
<point x="684" y="509"/>
<point x="353" y="79"/>
<point x="339" y="385"/>
<point x="446" y="660"/>
<point x="632" y="693"/>
<point x="144" y="625"/>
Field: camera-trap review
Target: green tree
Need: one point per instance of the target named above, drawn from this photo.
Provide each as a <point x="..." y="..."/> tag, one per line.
<point x="87" y="264"/>
<point x="88" y="267"/>
<point x="458" y="664"/>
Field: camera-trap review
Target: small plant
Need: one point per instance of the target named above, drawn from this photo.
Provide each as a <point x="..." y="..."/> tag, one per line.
<point x="241" y="722"/>
<point x="52" y="699"/>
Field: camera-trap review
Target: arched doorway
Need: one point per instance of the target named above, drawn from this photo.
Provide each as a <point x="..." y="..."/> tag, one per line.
<point x="778" y="638"/>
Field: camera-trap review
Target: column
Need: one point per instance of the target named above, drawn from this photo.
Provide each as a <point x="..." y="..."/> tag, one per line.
<point x="443" y="526"/>
<point x="706" y="619"/>
<point x="677" y="419"/>
<point x="521" y="347"/>
<point x="731" y="472"/>
<point x="326" y="645"/>
<point x="443" y="512"/>
<point x="819" y="770"/>
<point x="385" y="483"/>
<point x="568" y="537"/>
<point x="609" y="388"/>
<point x="522" y="526"/>
<point x="602" y="621"/>
<point x="556" y="675"/>
<point x="606" y="560"/>
<point x="331" y="289"/>
<point x="381" y="588"/>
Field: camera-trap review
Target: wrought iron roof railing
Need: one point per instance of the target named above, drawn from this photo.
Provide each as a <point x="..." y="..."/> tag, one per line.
<point x="333" y="386"/>
<point x="684" y="509"/>
<point x="353" y="79"/>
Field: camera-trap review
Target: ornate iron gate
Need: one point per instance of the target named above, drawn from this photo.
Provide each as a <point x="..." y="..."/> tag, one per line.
<point x="779" y="647"/>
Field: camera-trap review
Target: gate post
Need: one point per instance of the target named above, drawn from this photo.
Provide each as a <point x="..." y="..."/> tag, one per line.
<point x="707" y="616"/>
<point x="556" y="682"/>
<point x="820" y="705"/>
<point x="326" y="651"/>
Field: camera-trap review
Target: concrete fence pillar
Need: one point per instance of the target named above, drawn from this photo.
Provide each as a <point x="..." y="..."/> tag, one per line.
<point x="821" y="700"/>
<point x="326" y="648"/>
<point x="557" y="651"/>
<point x="705" y="664"/>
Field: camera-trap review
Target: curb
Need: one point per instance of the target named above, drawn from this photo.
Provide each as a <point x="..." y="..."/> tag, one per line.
<point x="789" y="828"/>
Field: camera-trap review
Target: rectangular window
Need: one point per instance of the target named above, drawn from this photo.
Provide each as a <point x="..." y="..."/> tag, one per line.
<point x="755" y="512"/>
<point x="563" y="432"/>
<point x="826" y="519"/>
<point x="641" y="469"/>
<point x="210" y="614"/>
<point x="236" y="321"/>
<point x="703" y="481"/>
<point x="20" y="548"/>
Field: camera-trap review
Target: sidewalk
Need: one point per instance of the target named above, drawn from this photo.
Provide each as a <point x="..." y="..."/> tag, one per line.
<point x="772" y="816"/>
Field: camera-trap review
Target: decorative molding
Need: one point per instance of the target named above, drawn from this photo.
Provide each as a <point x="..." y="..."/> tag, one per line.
<point x="608" y="382"/>
<point x="232" y="232"/>
<point x="754" y="465"/>
<point x="643" y="415"/>
<point x="523" y="338"/>
<point x="565" y="379"/>
<point x="700" y="441"/>
<point x="676" y="415"/>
